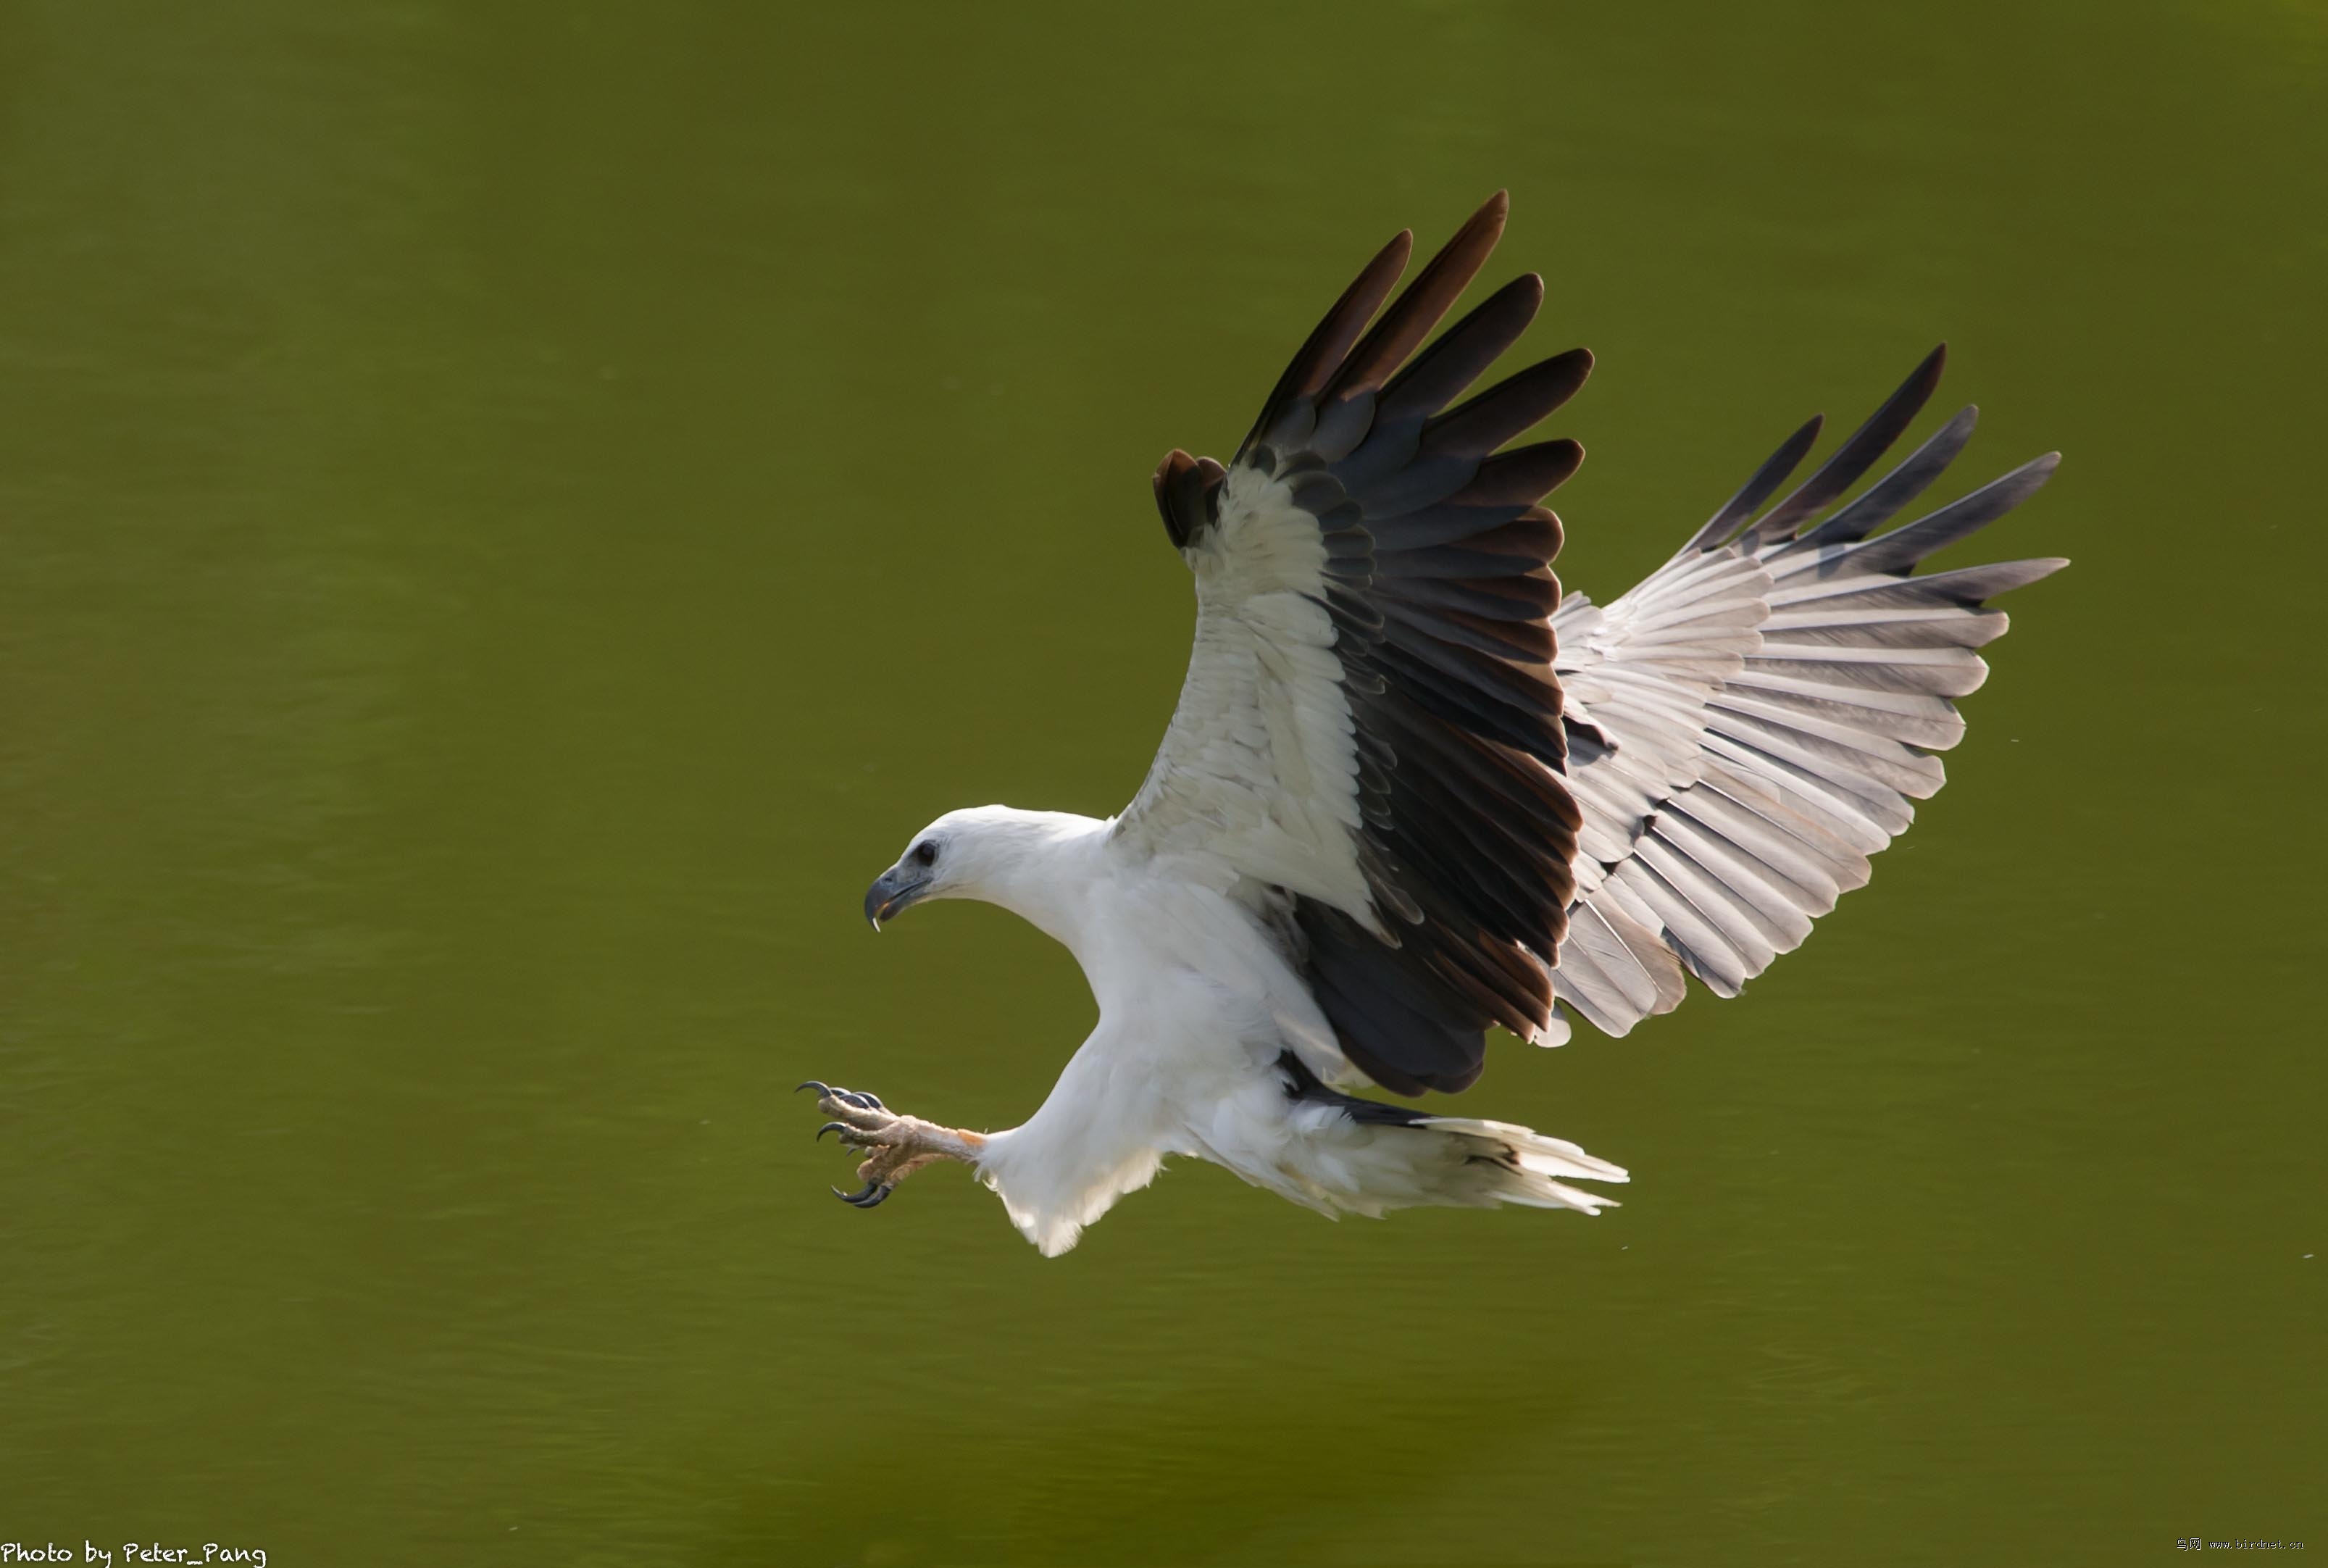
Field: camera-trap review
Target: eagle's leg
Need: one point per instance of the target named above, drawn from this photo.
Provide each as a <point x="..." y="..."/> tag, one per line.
<point x="898" y="1145"/>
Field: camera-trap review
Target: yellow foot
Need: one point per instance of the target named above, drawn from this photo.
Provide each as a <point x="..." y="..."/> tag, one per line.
<point x="896" y="1146"/>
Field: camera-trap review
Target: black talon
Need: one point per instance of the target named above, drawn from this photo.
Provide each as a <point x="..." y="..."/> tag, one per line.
<point x="850" y="1097"/>
<point x="875" y="1100"/>
<point x="869" y="1198"/>
<point x="812" y="1083"/>
<point x="831" y="1127"/>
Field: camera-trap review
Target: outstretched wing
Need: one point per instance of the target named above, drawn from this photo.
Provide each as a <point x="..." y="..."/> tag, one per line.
<point x="1751" y="723"/>
<point x="1370" y="725"/>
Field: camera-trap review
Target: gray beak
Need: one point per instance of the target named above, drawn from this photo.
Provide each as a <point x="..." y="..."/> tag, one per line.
<point x="892" y="893"/>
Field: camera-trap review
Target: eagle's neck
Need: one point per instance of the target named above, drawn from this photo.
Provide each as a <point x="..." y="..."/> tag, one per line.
<point x="1043" y="867"/>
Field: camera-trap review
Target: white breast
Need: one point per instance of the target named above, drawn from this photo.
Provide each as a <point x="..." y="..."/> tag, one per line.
<point x="1195" y="1005"/>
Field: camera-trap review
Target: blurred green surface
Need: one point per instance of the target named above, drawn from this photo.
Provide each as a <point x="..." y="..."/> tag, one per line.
<point x="510" y="516"/>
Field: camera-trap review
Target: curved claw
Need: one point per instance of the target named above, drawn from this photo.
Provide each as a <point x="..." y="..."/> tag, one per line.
<point x="873" y="1100"/>
<point x="812" y="1083"/>
<point x="871" y="1198"/>
<point x="831" y="1127"/>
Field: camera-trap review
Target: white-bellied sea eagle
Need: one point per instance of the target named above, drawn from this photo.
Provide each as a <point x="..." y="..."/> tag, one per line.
<point x="1411" y="793"/>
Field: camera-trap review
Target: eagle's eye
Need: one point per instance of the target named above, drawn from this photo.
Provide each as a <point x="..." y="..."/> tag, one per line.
<point x="926" y="853"/>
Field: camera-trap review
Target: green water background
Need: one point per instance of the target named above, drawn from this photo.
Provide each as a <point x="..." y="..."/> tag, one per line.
<point x="511" y="514"/>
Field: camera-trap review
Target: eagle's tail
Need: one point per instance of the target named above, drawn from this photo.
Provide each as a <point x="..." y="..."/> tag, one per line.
<point x="1341" y="1154"/>
<point x="1500" y="1162"/>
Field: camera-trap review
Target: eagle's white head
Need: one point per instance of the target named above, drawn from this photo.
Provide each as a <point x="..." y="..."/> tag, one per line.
<point x="997" y="854"/>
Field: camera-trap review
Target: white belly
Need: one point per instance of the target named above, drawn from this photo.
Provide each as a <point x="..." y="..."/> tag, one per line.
<point x="1196" y="1006"/>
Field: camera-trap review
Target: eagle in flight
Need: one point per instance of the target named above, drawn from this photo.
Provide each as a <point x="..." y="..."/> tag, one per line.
<point x="1413" y="792"/>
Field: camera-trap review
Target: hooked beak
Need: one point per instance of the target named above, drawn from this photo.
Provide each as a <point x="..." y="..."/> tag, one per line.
<point x="895" y="891"/>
